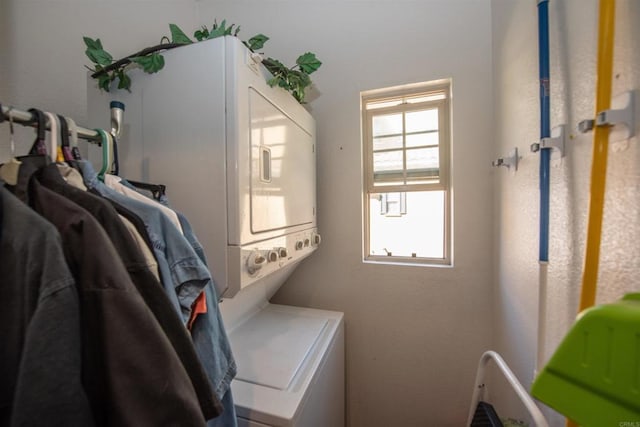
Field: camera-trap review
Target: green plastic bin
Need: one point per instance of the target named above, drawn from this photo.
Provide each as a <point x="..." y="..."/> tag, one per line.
<point x="594" y="376"/>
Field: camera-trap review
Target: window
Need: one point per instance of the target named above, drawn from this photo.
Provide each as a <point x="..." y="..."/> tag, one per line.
<point x="406" y="140"/>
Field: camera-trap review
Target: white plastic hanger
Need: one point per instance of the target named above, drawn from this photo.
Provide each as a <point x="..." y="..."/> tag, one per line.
<point x="53" y="135"/>
<point x="9" y="171"/>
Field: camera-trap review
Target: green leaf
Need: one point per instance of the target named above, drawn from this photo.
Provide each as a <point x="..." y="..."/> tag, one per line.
<point x="124" y="81"/>
<point x="235" y="33"/>
<point x="218" y="30"/>
<point x="201" y="34"/>
<point x="274" y="66"/>
<point x="103" y="82"/>
<point x="257" y="41"/>
<point x="150" y="64"/>
<point x="99" y="56"/>
<point x="274" y="81"/>
<point x="308" y="62"/>
<point x="92" y="44"/>
<point x="178" y="36"/>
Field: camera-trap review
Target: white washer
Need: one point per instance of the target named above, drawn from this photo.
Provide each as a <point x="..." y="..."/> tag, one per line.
<point x="290" y="368"/>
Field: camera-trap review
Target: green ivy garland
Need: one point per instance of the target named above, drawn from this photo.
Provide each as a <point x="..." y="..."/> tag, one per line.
<point x="294" y="79"/>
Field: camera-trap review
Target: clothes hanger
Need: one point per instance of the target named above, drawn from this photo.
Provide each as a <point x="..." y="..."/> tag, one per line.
<point x="64" y="137"/>
<point x="105" y="153"/>
<point x="39" y="147"/>
<point x="9" y="171"/>
<point x="53" y="136"/>
<point x="75" y="152"/>
<point x="115" y="166"/>
<point x="157" y="190"/>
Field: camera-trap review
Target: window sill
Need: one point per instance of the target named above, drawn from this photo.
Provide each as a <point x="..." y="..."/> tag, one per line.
<point x="408" y="261"/>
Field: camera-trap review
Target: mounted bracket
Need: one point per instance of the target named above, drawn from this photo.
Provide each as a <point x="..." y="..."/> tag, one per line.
<point x="621" y="117"/>
<point x="508" y="161"/>
<point x="556" y="141"/>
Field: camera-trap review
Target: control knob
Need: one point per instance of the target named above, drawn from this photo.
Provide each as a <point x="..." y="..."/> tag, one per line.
<point x="299" y="245"/>
<point x="255" y="261"/>
<point x="282" y="252"/>
<point x="316" y="239"/>
<point x="272" y="256"/>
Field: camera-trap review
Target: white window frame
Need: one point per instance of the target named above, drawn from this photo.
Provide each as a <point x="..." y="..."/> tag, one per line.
<point x="444" y="145"/>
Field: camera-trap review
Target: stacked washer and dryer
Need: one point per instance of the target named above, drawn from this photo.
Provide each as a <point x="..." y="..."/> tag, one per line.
<point x="238" y="158"/>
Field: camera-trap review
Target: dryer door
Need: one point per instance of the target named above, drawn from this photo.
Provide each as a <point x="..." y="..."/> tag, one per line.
<point x="282" y="169"/>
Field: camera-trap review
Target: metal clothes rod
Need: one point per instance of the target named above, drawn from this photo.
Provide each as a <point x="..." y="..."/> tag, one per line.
<point x="25" y="118"/>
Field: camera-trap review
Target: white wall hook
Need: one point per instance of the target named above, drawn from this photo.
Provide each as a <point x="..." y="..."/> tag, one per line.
<point x="621" y="116"/>
<point x="556" y="141"/>
<point x="510" y="161"/>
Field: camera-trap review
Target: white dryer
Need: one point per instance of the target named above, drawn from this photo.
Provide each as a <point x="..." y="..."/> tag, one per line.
<point x="238" y="159"/>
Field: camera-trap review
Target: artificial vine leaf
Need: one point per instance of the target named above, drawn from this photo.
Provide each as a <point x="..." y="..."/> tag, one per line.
<point x="201" y="34"/>
<point x="274" y="66"/>
<point x="178" y="36"/>
<point x="308" y="62"/>
<point x="151" y="63"/>
<point x="99" y="56"/>
<point x="257" y="42"/>
<point x="103" y="82"/>
<point x="92" y="44"/>
<point x="124" y="81"/>
<point x="219" y="30"/>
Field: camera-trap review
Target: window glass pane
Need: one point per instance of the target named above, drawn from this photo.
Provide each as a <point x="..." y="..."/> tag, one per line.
<point x="422" y="139"/>
<point x="387" y="161"/>
<point x="390" y="124"/>
<point x="415" y="229"/>
<point x="387" y="142"/>
<point x="417" y="121"/>
<point x="423" y="161"/>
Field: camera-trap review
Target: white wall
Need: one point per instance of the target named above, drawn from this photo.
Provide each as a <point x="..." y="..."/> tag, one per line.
<point x="573" y="77"/>
<point x="414" y="334"/>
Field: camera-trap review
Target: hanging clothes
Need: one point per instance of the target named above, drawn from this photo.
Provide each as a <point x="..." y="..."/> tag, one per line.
<point x="144" y="280"/>
<point x="208" y="332"/>
<point x="130" y="372"/>
<point x="40" y="374"/>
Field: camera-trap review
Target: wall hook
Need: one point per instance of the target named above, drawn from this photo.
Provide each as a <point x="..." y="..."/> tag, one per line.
<point x="556" y="141"/>
<point x="509" y="161"/>
<point x="622" y="118"/>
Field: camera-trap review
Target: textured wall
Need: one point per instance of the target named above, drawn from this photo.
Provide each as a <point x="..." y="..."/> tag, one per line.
<point x="573" y="78"/>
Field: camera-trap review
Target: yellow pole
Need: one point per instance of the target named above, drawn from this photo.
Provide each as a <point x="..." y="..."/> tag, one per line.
<point x="606" y="30"/>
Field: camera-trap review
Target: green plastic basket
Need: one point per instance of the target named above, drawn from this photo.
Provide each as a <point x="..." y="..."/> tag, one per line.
<point x="594" y="376"/>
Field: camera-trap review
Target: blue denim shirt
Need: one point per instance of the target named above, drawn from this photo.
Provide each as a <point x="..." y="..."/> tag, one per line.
<point x="209" y="325"/>
<point x="181" y="271"/>
<point x="208" y="333"/>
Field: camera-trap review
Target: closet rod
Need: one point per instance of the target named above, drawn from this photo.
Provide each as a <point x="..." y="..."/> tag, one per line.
<point x="26" y="118"/>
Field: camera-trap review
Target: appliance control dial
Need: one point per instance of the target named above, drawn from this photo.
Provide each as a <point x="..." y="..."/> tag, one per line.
<point x="272" y="256"/>
<point x="282" y="252"/>
<point x="299" y="245"/>
<point x="316" y="239"/>
<point x="255" y="261"/>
